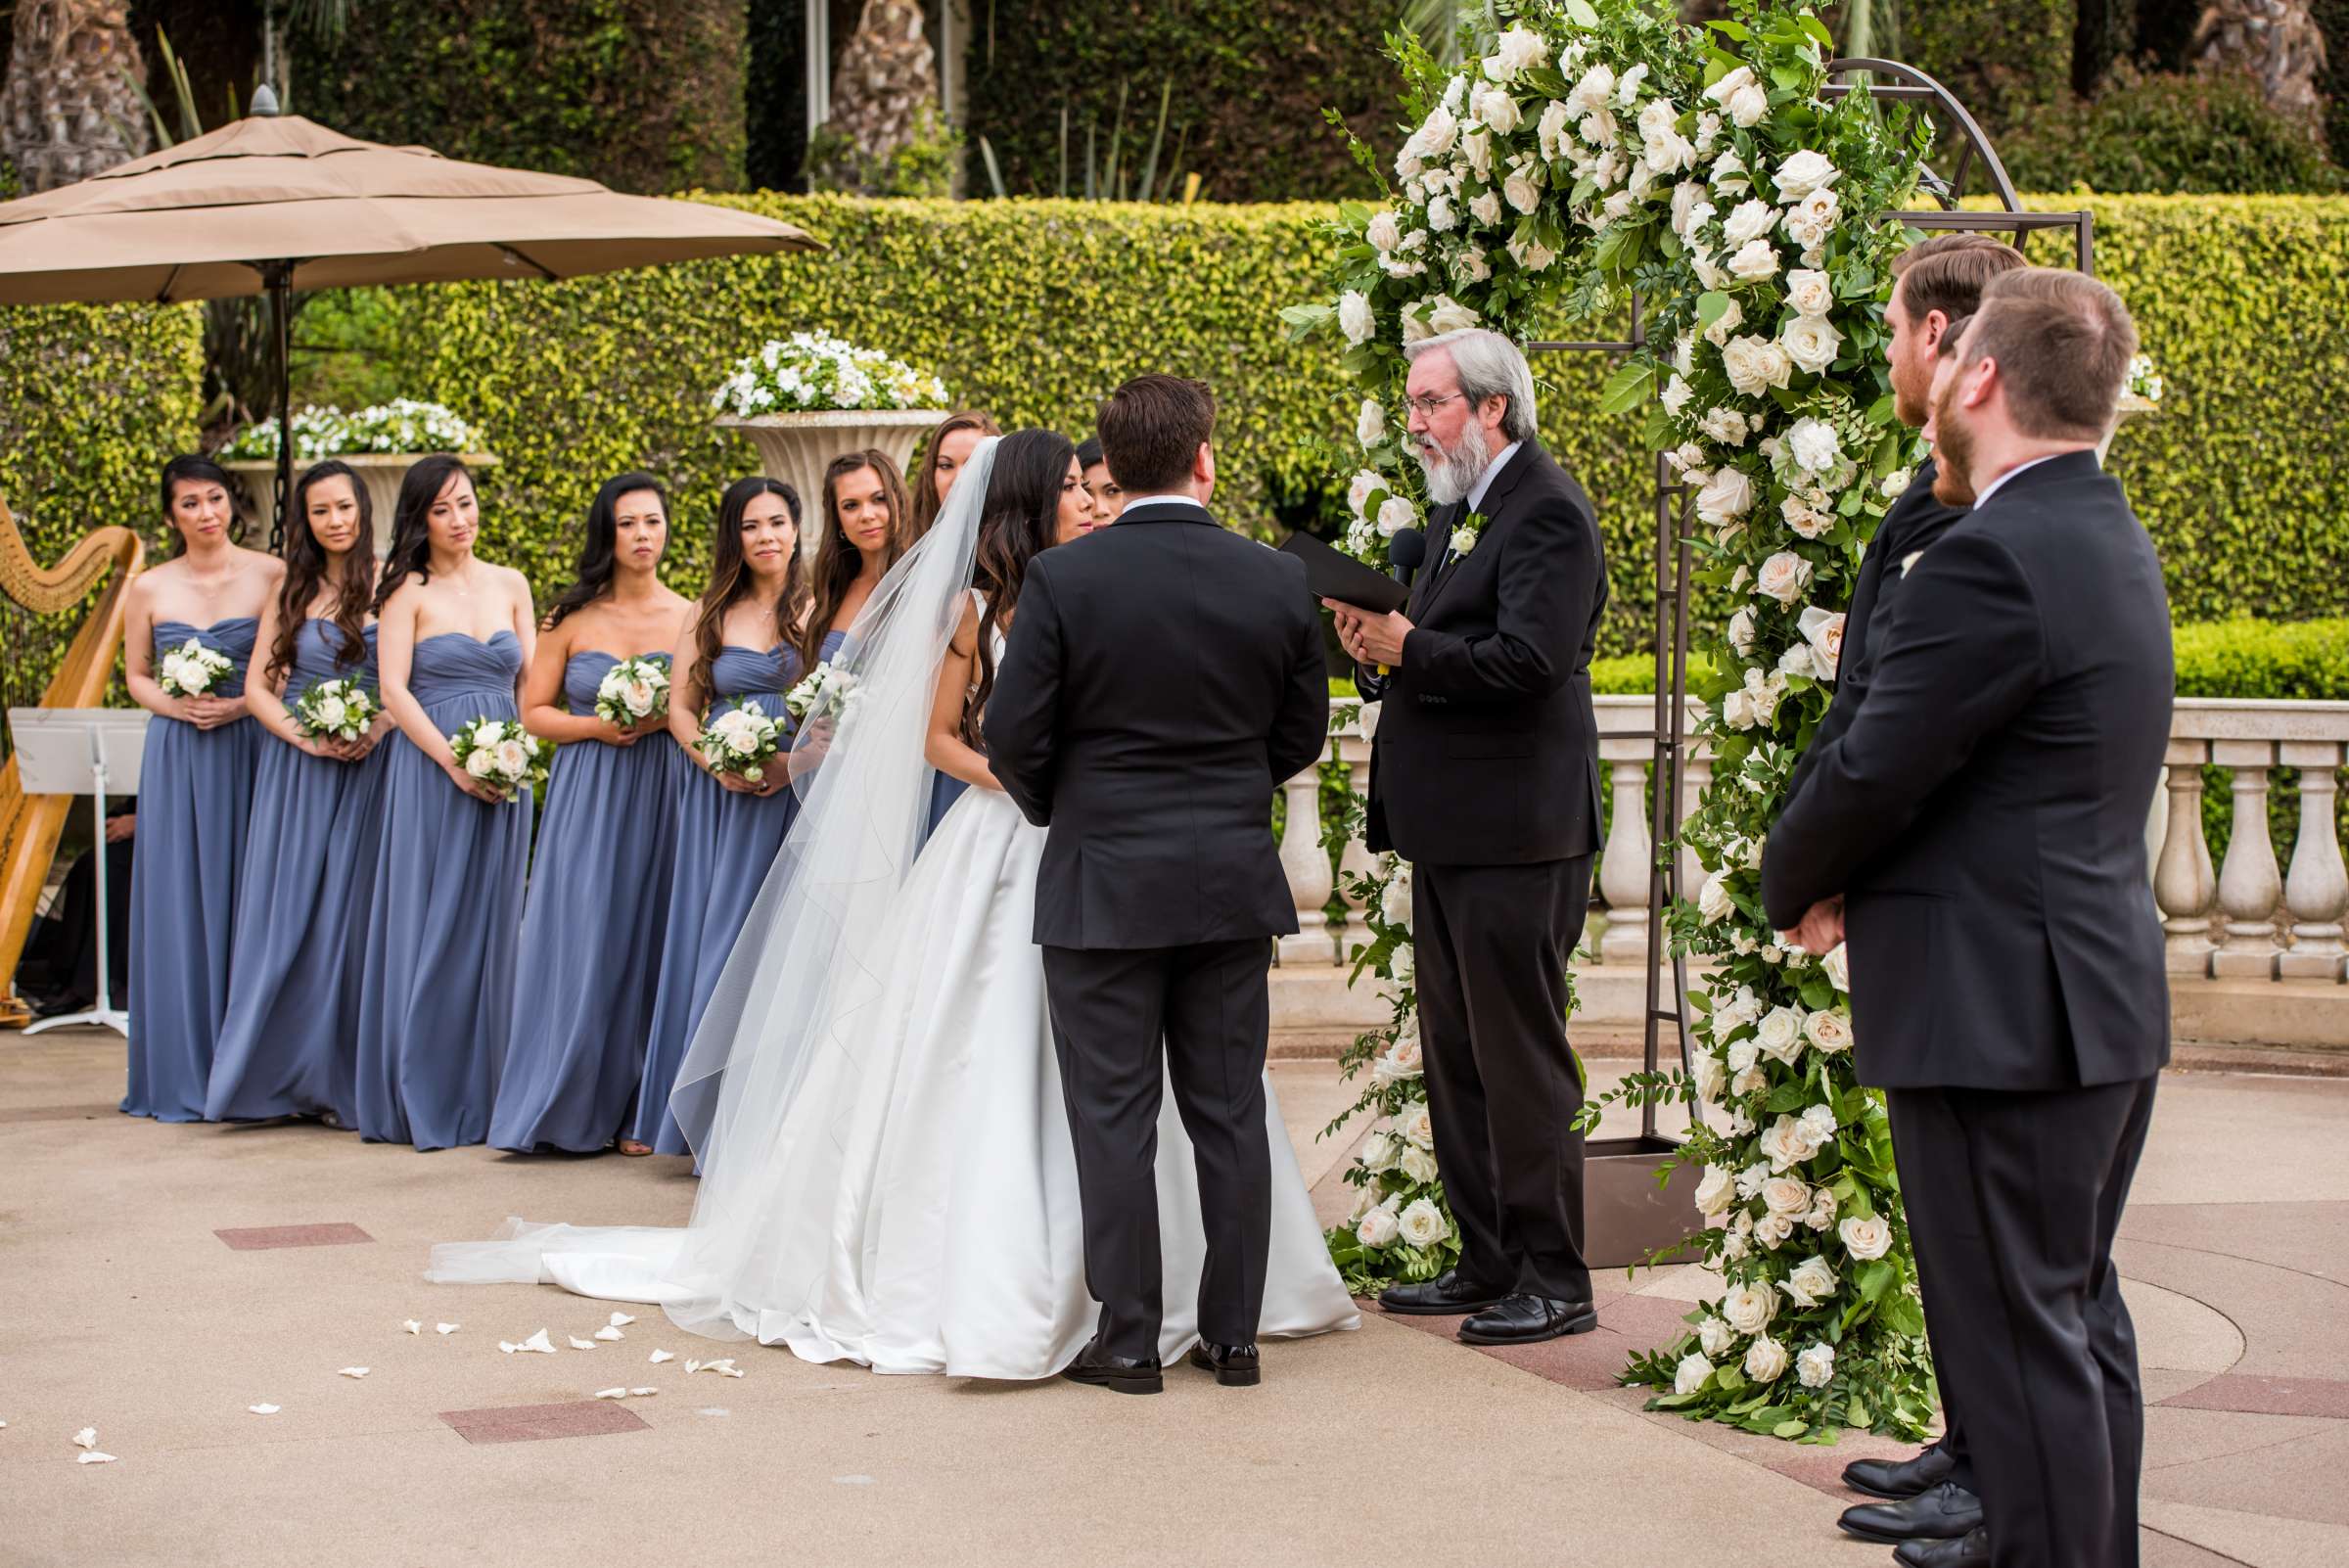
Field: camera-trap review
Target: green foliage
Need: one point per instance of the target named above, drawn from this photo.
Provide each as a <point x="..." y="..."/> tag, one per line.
<point x="923" y="166"/>
<point x="2189" y="133"/>
<point x="2333" y="19"/>
<point x="1250" y="80"/>
<point x="93" y="400"/>
<point x="2305" y="661"/>
<point x="2003" y="59"/>
<point x="645" y="95"/>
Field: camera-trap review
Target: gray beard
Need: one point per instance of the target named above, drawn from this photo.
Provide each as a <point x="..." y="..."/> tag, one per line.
<point x="1453" y="471"/>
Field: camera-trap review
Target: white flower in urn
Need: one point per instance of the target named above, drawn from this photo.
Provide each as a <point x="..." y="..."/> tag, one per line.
<point x="1766" y="1360"/>
<point x="1815" y="1367"/>
<point x="1423" y="1224"/>
<point x="1417" y="1163"/>
<point x="1714" y="1336"/>
<point x="1690" y="1374"/>
<point x="1837" y="964"/>
<point x="1811" y="1282"/>
<point x="1354" y="316"/>
<point x="1784" y="576"/>
<point x="1715" y="1193"/>
<point x="1416" y="1125"/>
<point x="1750" y="1306"/>
<point x="1865" y="1239"/>
<point x="1811" y="342"/>
<point x="1379" y="1227"/>
<point x="1822" y="629"/>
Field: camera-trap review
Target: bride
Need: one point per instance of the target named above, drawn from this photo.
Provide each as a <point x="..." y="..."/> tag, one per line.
<point x="888" y="1176"/>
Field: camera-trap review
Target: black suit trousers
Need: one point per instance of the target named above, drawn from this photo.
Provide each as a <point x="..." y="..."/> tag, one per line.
<point x="1110" y="1009"/>
<point x="1491" y="944"/>
<point x="2013" y="1199"/>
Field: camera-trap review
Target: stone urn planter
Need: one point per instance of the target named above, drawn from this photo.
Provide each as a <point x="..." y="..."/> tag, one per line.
<point x="797" y="448"/>
<point x="380" y="472"/>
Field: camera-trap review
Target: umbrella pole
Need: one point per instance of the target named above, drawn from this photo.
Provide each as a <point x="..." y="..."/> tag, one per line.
<point x="278" y="276"/>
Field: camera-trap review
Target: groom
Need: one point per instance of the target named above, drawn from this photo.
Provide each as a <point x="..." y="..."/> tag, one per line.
<point x="1162" y="678"/>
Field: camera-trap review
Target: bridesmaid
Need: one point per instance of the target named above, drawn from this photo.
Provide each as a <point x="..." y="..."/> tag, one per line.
<point x="1109" y="496"/>
<point x="951" y="447"/>
<point x="195" y="789"/>
<point x="293" y="1002"/>
<point x="438" y="991"/>
<point x="599" y="901"/>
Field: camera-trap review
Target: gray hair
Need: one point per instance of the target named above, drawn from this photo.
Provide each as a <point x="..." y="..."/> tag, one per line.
<point x="1489" y="366"/>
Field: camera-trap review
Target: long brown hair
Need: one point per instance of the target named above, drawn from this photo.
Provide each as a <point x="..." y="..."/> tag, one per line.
<point x="307" y="566"/>
<point x="926" y="503"/>
<point x="599" y="545"/>
<point x="1020" y="517"/>
<point x="836" y="561"/>
<point x="730" y="575"/>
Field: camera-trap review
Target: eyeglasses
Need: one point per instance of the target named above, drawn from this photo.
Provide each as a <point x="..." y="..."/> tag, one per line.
<point x="1428" y="405"/>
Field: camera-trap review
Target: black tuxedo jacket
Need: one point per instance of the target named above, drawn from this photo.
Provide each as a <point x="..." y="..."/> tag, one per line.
<point x="1162" y="678"/>
<point x="1985" y="812"/>
<point x="1487" y="750"/>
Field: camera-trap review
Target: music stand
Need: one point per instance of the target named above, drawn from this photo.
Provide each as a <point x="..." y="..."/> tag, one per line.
<point x="64" y="751"/>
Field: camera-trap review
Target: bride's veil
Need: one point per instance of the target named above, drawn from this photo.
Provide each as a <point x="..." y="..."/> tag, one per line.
<point x="805" y="973"/>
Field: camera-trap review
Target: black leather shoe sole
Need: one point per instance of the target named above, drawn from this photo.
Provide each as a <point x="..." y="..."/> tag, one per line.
<point x="1228" y="1376"/>
<point x="1885" y="1538"/>
<point x="1581" y="1323"/>
<point x="1866" y="1491"/>
<point x="1117" y="1379"/>
<point x="1450" y="1308"/>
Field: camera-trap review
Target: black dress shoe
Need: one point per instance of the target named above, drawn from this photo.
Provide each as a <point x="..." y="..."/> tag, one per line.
<point x="1973" y="1548"/>
<point x="1529" y="1320"/>
<point x="1945" y="1514"/>
<point x="1900" y="1478"/>
<point x="1234" y="1366"/>
<point x="1127" y="1375"/>
<point x="1449" y="1294"/>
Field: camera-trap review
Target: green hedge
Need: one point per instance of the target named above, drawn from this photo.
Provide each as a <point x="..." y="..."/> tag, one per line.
<point x="2002" y="59"/>
<point x="645" y="95"/>
<point x="1037" y="308"/>
<point x="2185" y="132"/>
<point x="93" y="400"/>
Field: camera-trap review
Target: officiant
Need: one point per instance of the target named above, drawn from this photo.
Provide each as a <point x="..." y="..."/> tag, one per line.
<point x="1484" y="775"/>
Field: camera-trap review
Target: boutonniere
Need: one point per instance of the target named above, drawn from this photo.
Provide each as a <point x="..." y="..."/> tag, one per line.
<point x="1910" y="559"/>
<point x="1464" y="532"/>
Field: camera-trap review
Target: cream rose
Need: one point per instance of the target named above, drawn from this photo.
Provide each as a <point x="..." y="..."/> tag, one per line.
<point x="1742" y="1055"/>
<point x="513" y="758"/>
<point x="1815" y="1367"/>
<point x="1499" y="110"/>
<point x="1715" y="1193"/>
<point x="1713" y="1336"/>
<point x="1713" y="901"/>
<point x="1355" y="317"/>
<point x="1754" y="261"/>
<point x="1796" y="661"/>
<point x="1766" y="1360"/>
<point x="1717" y="335"/>
<point x="1811" y="342"/>
<point x="1419" y="1164"/>
<point x="1773" y="1230"/>
<point x="1730" y="494"/>
<point x="1522" y="192"/>
<point x="1440" y="216"/>
<point x="1723" y="425"/>
<point x="1370" y="425"/>
<point x="1865" y="1239"/>
<point x="1803" y="172"/>
<point x="1784" y="576"/>
<point x="1752" y="220"/>
<point x="1690" y="1374"/>
<point x="1810" y="291"/>
<point x="1811" y="1282"/>
<point x="1378" y="1152"/>
<point x="1709" y="1076"/>
<point x="1780" y="1035"/>
<point x="1822" y="1210"/>
<point x="1395" y="514"/>
<point x="1755" y="365"/>
<point x="1551" y="129"/>
<point x="1416" y="1125"/>
<point x="1378" y="1229"/>
<point x="1788" y="1195"/>
<point x="1837" y="964"/>
<point x="1830" y="1032"/>
<point x="1423" y="1224"/>
<point x="1783" y="1143"/>
<point x="1742" y="630"/>
<point x="1750" y="1306"/>
<point x="1385" y="231"/>
<point x="480" y="762"/>
<point x="1515" y="53"/>
<point x="1596" y="86"/>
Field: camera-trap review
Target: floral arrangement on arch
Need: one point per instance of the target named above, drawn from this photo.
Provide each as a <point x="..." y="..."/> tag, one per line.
<point x="1601" y="149"/>
<point x="401" y="426"/>
<point x="814" y="371"/>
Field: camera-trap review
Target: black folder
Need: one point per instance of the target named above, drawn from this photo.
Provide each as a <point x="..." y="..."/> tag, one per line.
<point x="1333" y="575"/>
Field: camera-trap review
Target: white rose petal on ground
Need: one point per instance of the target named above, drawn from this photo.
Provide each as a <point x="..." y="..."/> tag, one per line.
<point x="620" y="1320"/>
<point x="608" y="1332"/>
<point x="658" y="1356"/>
<point x="93" y="1456"/>
<point x="640" y="1393"/>
<point x="610" y="1394"/>
<point x="262" y="1410"/>
<point x="446" y="1328"/>
<point x="86" y="1438"/>
<point x="352" y="1371"/>
<point x="578" y="1343"/>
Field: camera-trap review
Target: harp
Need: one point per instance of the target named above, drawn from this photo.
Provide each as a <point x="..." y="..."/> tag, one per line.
<point x="29" y="823"/>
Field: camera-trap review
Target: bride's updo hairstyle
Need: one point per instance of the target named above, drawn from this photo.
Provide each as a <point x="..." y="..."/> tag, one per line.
<point x="1021" y="516"/>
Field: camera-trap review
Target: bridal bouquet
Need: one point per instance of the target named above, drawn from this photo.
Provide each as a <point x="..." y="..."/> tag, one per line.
<point x="402" y="425"/>
<point x="741" y="740"/>
<point x="817" y="371"/>
<point x="826" y="692"/>
<point x="191" y="669"/>
<point x="633" y="691"/>
<point x="501" y="754"/>
<point x="334" y="709"/>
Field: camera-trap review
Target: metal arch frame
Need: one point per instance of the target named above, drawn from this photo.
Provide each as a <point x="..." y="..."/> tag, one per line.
<point x="1630" y="1215"/>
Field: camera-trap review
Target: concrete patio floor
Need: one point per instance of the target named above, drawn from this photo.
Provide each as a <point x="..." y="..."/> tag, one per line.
<point x="123" y="1307"/>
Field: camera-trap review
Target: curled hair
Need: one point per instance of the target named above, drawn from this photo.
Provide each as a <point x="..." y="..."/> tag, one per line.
<point x="837" y="562"/>
<point x="730" y="575"/>
<point x="592" y="579"/>
<point x="1021" y="517"/>
<point x="411" y="553"/>
<point x="307" y="566"/>
<point x="925" y="478"/>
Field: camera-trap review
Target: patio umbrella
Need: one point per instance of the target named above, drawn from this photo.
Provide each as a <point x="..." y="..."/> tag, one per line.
<point x="277" y="203"/>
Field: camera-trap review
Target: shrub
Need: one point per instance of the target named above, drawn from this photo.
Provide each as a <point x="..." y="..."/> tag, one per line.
<point x="2002" y="59"/>
<point x="2185" y="133"/>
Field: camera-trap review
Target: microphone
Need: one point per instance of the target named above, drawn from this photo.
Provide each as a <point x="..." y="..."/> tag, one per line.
<point x="1406" y="553"/>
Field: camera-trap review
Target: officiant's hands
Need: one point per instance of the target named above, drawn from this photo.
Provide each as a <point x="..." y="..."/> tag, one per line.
<point x="1371" y="639"/>
<point x="1822" y="926"/>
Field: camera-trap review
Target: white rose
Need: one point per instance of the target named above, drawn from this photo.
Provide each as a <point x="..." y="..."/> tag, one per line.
<point x="1395" y="901"/>
<point x="1690" y="211"/>
<point x="1355" y="317"/>
<point x="1750" y="1306"/>
<point x="1442" y="127"/>
<point x="1755" y="365"/>
<point x="1811" y="342"/>
<point x="1440" y="216"/>
<point x="1773" y="1231"/>
<point x="1814" y="215"/>
<point x="1780" y="1035"/>
<point x="1709" y="1076"/>
<point x="1366" y="484"/>
<point x="1395" y="514"/>
<point x="1837" y="964"/>
<point x="1829" y="1031"/>
<point x="332" y="710"/>
<point x="1486" y="207"/>
<point x="1734" y="1247"/>
<point x="1766" y="1360"/>
<point x="1414" y="329"/>
<point x="1416" y="1125"/>
<point x="1423" y="1224"/>
<point x="1499" y="110"/>
<point x="1470" y="266"/>
<point x="1783" y="1143"/>
<point x="1447" y="314"/>
<point x="1752" y="220"/>
<point x="1371" y="425"/>
<point x="1815" y="1368"/>
<point x="1718" y="334"/>
<point x="1730" y="494"/>
<point x="1723" y="90"/>
<point x="1365" y="719"/>
<point x="513" y="758"/>
<point x="1476" y="147"/>
<point x="1365" y="1199"/>
<point x="1811" y="292"/>
<point x="1784" y="576"/>
<point x="1551" y="129"/>
<point x="1788" y="1195"/>
<point x="1747" y="104"/>
<point x="1812" y="1282"/>
<point x="1742" y="630"/>
<point x="1795" y="661"/>
<point x="1385" y="231"/>
<point x="1515" y="52"/>
<point x="1738" y="1011"/>
<point x="1677" y="393"/>
<point x="1420" y="1166"/>
<point x="1814" y="444"/>
<point x="1401" y="966"/>
<point x="1715" y="1193"/>
<point x="1713" y="1335"/>
<point x="1741" y="1057"/>
<point x="1816" y="1127"/>
<point x="1690" y="1374"/>
<point x="1754" y="261"/>
<point x="1822" y="1210"/>
<point x="480" y="762"/>
<point x="1378" y="1152"/>
<point x="1592" y="91"/>
<point x="1521" y="192"/>
<point x="1378" y="1229"/>
<point x="1804" y="173"/>
<point x="1865" y="1239"/>
<point x="1713" y="901"/>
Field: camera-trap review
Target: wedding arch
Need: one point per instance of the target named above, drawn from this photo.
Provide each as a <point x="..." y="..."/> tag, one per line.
<point x="1733" y="197"/>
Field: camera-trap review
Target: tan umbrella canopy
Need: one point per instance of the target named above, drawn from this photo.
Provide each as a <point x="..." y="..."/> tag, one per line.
<point x="277" y="203"/>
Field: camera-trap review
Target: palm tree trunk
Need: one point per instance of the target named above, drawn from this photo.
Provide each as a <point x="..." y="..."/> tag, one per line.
<point x="2277" y="42"/>
<point x="69" y="111"/>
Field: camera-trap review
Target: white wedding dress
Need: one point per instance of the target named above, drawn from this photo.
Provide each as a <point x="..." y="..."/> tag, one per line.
<point x="896" y="1184"/>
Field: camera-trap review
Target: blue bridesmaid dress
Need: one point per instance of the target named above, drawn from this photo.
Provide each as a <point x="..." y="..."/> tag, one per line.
<point x="437" y="993"/>
<point x="945" y="790"/>
<point x="187" y="858"/>
<point x="726" y="844"/>
<point x="309" y="864"/>
<point x="592" y="933"/>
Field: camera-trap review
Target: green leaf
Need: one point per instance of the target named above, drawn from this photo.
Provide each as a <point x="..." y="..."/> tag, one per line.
<point x="1856" y="1415"/>
<point x="1583" y="14"/>
<point x="1903" y="1315"/>
<point x="1790" y="1429"/>
<point x="1711" y="306"/>
<point x="1628" y="387"/>
<point x="1877" y="1279"/>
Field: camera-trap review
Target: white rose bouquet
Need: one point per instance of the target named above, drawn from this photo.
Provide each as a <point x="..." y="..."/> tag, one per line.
<point x="741" y="740"/>
<point x="334" y="709"/>
<point x="633" y="691"/>
<point x="501" y="754"/>
<point x="190" y="670"/>
<point x="825" y="692"/>
<point x="814" y="370"/>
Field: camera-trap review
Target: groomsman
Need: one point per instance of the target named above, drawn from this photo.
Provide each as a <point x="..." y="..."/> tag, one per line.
<point x="1982" y="817"/>
<point x="1938" y="285"/>
<point x="1485" y="776"/>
